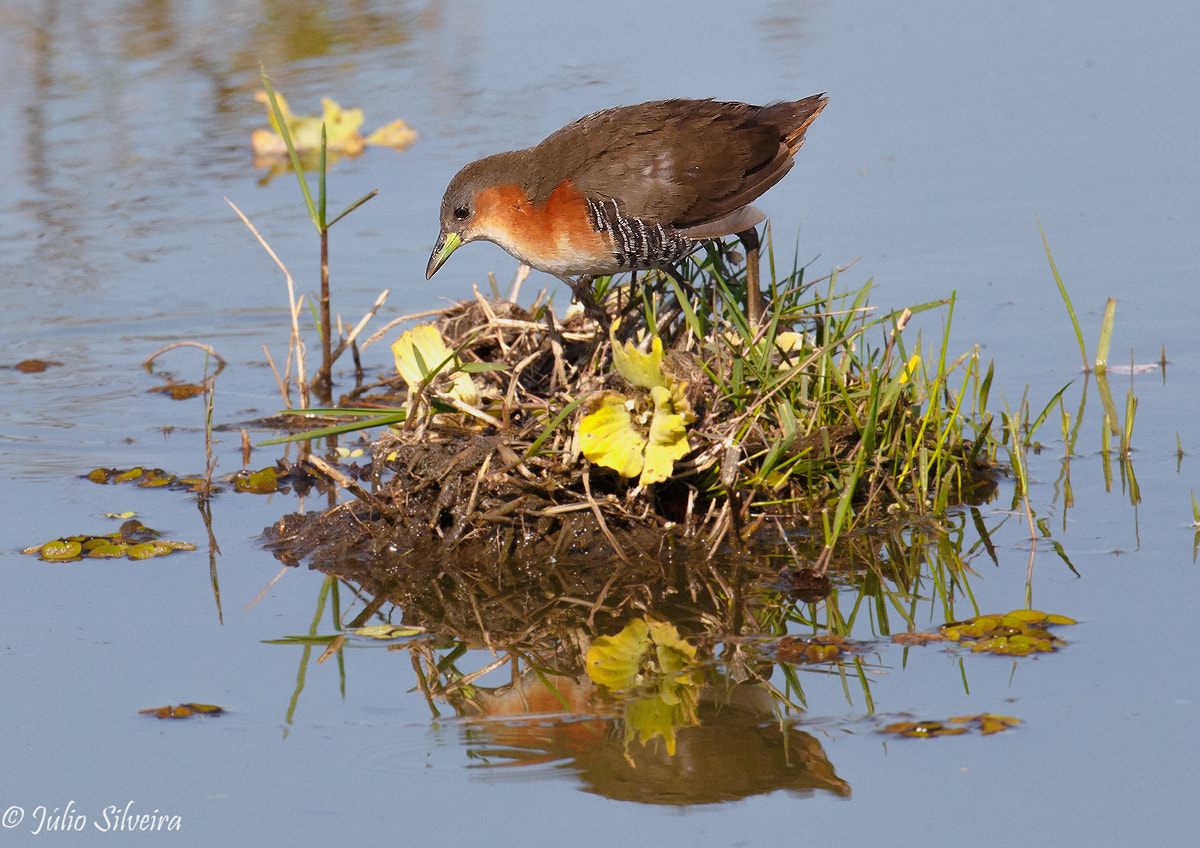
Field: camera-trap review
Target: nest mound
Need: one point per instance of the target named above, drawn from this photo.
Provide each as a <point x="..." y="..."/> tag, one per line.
<point x="772" y="430"/>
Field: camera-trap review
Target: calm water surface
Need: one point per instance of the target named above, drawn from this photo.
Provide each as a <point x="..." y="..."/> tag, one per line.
<point x="951" y="132"/>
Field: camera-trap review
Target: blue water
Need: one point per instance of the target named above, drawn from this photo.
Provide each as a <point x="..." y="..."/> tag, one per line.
<point x="951" y="132"/>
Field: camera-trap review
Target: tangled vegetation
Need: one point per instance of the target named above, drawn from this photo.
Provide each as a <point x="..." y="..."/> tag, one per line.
<point x="523" y="435"/>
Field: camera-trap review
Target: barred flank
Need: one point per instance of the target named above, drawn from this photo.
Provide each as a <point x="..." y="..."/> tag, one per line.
<point x="639" y="243"/>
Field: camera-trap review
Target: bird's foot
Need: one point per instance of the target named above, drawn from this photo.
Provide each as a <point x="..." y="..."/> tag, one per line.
<point x="581" y="287"/>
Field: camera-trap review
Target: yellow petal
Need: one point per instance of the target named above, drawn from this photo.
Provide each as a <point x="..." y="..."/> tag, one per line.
<point x="341" y="127"/>
<point x="306" y="132"/>
<point x="420" y="351"/>
<point x="680" y="402"/>
<point x="614" y="661"/>
<point x="339" y="120"/>
<point x="607" y="437"/>
<point x="266" y="143"/>
<point x="668" y="439"/>
<point x="791" y="341"/>
<point x="675" y="654"/>
<point x="264" y="99"/>
<point x="649" y="716"/>
<point x="464" y="389"/>
<point x="637" y="367"/>
<point x="397" y="134"/>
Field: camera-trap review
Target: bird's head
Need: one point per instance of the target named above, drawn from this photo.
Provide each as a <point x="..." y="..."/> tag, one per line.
<point x="474" y="207"/>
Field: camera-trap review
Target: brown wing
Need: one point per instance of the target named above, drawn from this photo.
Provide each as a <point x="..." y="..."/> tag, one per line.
<point x="682" y="163"/>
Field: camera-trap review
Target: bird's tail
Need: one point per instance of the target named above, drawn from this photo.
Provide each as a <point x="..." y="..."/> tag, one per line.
<point x="795" y="117"/>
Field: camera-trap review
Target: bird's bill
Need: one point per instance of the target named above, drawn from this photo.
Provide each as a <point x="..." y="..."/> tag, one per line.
<point x="447" y="243"/>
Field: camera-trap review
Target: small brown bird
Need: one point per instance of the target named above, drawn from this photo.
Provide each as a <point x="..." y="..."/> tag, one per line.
<point x="630" y="188"/>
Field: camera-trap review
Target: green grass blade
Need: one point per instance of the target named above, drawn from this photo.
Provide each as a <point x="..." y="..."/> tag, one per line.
<point x="1062" y="290"/>
<point x="353" y="206"/>
<point x="550" y="428"/>
<point x="281" y="124"/>
<point x="1106" y="328"/>
<point x="337" y="429"/>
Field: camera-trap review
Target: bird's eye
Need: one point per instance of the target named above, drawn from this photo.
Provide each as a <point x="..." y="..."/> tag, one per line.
<point x="462" y="213"/>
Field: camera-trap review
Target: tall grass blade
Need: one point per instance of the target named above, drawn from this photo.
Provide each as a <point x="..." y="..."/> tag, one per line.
<point x="281" y="125"/>
<point x="1106" y="327"/>
<point x="1062" y="290"/>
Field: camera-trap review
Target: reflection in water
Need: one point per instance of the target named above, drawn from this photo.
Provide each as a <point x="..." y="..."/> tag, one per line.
<point x="738" y="749"/>
<point x="687" y="651"/>
<point x="132" y="113"/>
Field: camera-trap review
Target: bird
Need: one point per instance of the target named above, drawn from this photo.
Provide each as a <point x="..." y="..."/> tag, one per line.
<point x="629" y="188"/>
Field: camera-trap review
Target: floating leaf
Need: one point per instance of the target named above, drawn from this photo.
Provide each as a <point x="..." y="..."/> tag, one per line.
<point x="177" y="546"/>
<point x="1016" y="633"/>
<point x="985" y="723"/>
<point x="923" y="729"/>
<point x="622" y="661"/>
<point x="135" y="529"/>
<point x="180" y="391"/>
<point x="262" y="482"/>
<point x="913" y="638"/>
<point x="144" y="478"/>
<point x="134" y="540"/>
<point x="106" y="551"/>
<point x="989" y="723"/>
<point x="145" y="550"/>
<point x="675" y="654"/>
<point x="342" y="131"/>
<point x="817" y="649"/>
<point x="1028" y="616"/>
<point x="183" y="711"/>
<point x="341" y="127"/>
<point x="154" y="478"/>
<point x="60" y="550"/>
<point x="34" y="366"/>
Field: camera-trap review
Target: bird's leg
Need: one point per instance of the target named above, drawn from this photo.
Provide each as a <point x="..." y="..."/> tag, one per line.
<point x="581" y="287"/>
<point x="754" y="298"/>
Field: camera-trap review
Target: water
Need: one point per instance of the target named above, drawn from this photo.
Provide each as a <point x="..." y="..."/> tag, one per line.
<point x="950" y="133"/>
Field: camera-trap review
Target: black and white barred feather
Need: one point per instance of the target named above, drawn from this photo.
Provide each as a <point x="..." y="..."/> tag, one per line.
<point x="638" y="243"/>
